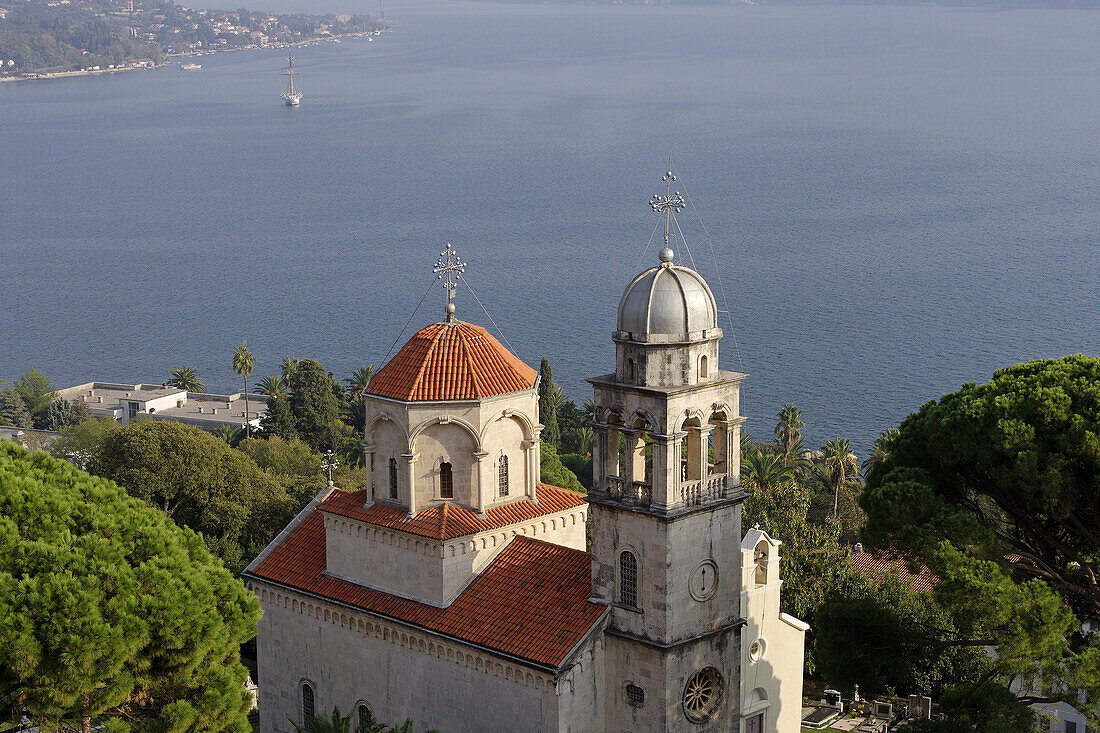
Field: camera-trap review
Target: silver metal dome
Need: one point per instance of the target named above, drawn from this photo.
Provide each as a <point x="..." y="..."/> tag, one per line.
<point x="667" y="300"/>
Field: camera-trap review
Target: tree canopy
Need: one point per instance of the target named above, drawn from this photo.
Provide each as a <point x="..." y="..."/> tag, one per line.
<point x="109" y="611"/>
<point x="314" y="403"/>
<point x="36" y="390"/>
<point x="13" y="411"/>
<point x="200" y="482"/>
<point x="1010" y="469"/>
<point x="997" y="487"/>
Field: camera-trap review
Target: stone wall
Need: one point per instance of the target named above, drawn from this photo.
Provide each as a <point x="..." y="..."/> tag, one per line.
<point x="399" y="672"/>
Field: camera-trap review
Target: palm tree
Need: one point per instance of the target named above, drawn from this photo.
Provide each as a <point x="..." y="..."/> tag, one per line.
<point x="242" y="364"/>
<point x="229" y="434"/>
<point x="589" y="411"/>
<point x="765" y="471"/>
<point x="187" y="379"/>
<point x="355" y="415"/>
<point x="358" y="380"/>
<point x="273" y="386"/>
<point x="322" y="723"/>
<point x="788" y="431"/>
<point x="289" y="366"/>
<point x="881" y="448"/>
<point x="839" y="466"/>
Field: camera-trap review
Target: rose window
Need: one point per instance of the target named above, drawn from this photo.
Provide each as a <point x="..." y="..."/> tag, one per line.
<point x="702" y="695"/>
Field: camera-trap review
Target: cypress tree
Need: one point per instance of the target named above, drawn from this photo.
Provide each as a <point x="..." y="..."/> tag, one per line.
<point x="548" y="413"/>
<point x="314" y="403"/>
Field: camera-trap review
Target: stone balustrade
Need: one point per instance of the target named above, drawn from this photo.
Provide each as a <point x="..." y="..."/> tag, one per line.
<point x="699" y="491"/>
<point x="638" y="492"/>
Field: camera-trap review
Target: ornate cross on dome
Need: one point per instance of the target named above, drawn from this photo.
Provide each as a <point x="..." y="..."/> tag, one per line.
<point x="671" y="203"/>
<point x="452" y="266"/>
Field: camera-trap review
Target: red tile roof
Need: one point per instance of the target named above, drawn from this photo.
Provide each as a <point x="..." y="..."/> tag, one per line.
<point x="531" y="602"/>
<point x="878" y="565"/>
<point x="447" y="521"/>
<point x="451" y="361"/>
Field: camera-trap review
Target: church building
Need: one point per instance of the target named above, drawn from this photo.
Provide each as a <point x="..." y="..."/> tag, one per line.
<point x="461" y="591"/>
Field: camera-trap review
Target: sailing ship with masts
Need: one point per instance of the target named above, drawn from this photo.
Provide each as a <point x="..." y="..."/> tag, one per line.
<point x="291" y="97"/>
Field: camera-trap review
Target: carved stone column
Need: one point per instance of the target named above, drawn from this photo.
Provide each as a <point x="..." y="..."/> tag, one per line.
<point x="665" y="486"/>
<point x="368" y="458"/>
<point x="410" y="473"/>
<point x="599" y="453"/>
<point x="531" y="469"/>
<point x="630" y="469"/>
<point x="480" y="489"/>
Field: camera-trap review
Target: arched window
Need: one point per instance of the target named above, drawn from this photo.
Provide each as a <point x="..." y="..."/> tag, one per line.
<point x="628" y="579"/>
<point x="364" y="715"/>
<point x="760" y="557"/>
<point x="630" y="370"/>
<point x="502" y="476"/>
<point x="309" y="706"/>
<point x="703" y="366"/>
<point x="393" y="478"/>
<point x="446" y="482"/>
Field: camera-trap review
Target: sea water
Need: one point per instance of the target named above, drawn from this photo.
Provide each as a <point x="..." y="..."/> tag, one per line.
<point x="888" y="201"/>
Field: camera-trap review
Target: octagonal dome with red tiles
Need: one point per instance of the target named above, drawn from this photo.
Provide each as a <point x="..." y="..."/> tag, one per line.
<point x="451" y="361"/>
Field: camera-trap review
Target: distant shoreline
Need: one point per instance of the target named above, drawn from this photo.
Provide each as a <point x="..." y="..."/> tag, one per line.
<point x="38" y="76"/>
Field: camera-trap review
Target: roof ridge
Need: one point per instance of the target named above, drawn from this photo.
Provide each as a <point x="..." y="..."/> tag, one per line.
<point x="470" y="366"/>
<point x="444" y="513"/>
<point x="436" y="334"/>
<point x="555" y="545"/>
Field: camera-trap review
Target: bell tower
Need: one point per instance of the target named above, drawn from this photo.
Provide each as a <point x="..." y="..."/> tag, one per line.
<point x="665" y="508"/>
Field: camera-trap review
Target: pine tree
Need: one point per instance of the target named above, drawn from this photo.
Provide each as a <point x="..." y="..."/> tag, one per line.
<point x="111" y="613"/>
<point x="13" y="411"/>
<point x="548" y="413"/>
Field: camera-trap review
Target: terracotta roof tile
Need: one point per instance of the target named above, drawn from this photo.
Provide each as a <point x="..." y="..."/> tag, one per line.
<point x="878" y="565"/>
<point x="447" y="521"/>
<point x="451" y="361"/>
<point x="531" y="602"/>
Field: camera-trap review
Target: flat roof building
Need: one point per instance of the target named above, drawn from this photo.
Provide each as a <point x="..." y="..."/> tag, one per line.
<point x="124" y="402"/>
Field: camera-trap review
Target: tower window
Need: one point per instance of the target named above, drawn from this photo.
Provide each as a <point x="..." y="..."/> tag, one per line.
<point x="630" y="370"/>
<point x="703" y="366"/>
<point x="628" y="579"/>
<point x="446" y="481"/>
<point x="364" y="715"/>
<point x="309" y="706"/>
<point x="393" y="478"/>
<point x="502" y="476"/>
<point x="635" y="696"/>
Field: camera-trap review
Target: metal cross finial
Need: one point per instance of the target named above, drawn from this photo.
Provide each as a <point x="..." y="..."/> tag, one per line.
<point x="329" y="463"/>
<point x="671" y="203"/>
<point x="451" y="265"/>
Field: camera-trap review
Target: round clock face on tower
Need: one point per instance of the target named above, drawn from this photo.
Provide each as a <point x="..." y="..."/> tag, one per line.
<point x="704" y="580"/>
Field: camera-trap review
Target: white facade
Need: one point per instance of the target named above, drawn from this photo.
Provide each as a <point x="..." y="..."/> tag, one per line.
<point x="773" y="643"/>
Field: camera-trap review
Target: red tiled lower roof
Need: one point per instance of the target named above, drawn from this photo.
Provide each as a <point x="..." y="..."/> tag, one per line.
<point x="531" y="602"/>
<point x="447" y="521"/>
<point x="451" y="361"/>
<point x="878" y="565"/>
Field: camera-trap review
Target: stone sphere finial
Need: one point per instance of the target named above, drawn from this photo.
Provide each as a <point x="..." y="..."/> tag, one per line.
<point x="666" y="255"/>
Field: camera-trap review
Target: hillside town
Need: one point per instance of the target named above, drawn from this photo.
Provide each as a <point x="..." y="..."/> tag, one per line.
<point x="41" y="37"/>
